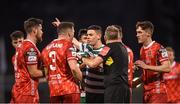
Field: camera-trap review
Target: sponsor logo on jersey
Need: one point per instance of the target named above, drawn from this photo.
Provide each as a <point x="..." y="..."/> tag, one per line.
<point x="73" y="54"/>
<point x="31" y="55"/>
<point x="32" y="58"/>
<point x="149" y="53"/>
<point x="163" y="52"/>
<point x="31" y="52"/>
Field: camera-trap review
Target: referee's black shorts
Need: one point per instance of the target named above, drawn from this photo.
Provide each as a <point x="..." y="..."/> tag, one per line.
<point x="94" y="98"/>
<point x="117" y="94"/>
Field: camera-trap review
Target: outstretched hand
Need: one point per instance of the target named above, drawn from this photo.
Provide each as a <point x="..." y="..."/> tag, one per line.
<point x="56" y="23"/>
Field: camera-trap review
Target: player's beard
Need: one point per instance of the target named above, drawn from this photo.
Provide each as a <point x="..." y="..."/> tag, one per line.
<point x="39" y="38"/>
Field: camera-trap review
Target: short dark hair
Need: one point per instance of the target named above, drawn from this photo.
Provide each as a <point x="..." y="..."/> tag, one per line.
<point x="112" y="32"/>
<point x="120" y="30"/>
<point x="146" y="25"/>
<point x="16" y="35"/>
<point x="81" y="33"/>
<point x="96" y="28"/>
<point x="64" y="26"/>
<point x="30" y="23"/>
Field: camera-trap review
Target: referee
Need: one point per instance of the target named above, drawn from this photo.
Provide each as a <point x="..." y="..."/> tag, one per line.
<point x="114" y="57"/>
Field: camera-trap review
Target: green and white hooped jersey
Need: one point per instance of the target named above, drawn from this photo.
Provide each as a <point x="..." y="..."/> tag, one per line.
<point x="94" y="78"/>
<point x="85" y="50"/>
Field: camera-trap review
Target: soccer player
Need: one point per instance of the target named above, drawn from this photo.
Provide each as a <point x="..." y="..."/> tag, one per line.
<point x="94" y="86"/>
<point x="172" y="79"/>
<point x="94" y="79"/>
<point x="59" y="59"/>
<point x="81" y="44"/>
<point x="26" y="66"/>
<point x="82" y="35"/>
<point x="130" y="61"/>
<point x="114" y="57"/>
<point x="17" y="38"/>
<point x="154" y="61"/>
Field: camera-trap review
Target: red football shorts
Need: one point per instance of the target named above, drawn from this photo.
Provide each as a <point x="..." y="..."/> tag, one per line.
<point x="69" y="98"/>
<point x="155" y="98"/>
<point x="25" y="99"/>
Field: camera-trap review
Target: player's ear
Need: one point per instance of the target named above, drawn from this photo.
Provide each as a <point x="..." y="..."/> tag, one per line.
<point x="105" y="37"/>
<point x="34" y="30"/>
<point x="69" y="35"/>
<point x="148" y="33"/>
<point x="99" y="36"/>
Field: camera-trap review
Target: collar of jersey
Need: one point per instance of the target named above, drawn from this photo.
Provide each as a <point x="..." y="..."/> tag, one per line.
<point x="150" y="44"/>
<point x="99" y="47"/>
<point x="30" y="41"/>
<point x="173" y="64"/>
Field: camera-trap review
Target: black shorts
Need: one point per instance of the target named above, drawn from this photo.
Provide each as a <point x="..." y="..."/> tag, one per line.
<point x="94" y="98"/>
<point x="117" y="94"/>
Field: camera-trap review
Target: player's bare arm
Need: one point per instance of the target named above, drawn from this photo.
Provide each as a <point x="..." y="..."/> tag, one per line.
<point x="83" y="65"/>
<point x="75" y="69"/>
<point x="93" y="62"/>
<point x="35" y="72"/>
<point x="76" y="43"/>
<point x="164" y="67"/>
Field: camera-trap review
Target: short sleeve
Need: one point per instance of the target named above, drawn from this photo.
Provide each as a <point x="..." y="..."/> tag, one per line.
<point x="162" y="54"/>
<point x="71" y="53"/>
<point x="105" y="53"/>
<point x="31" y="55"/>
